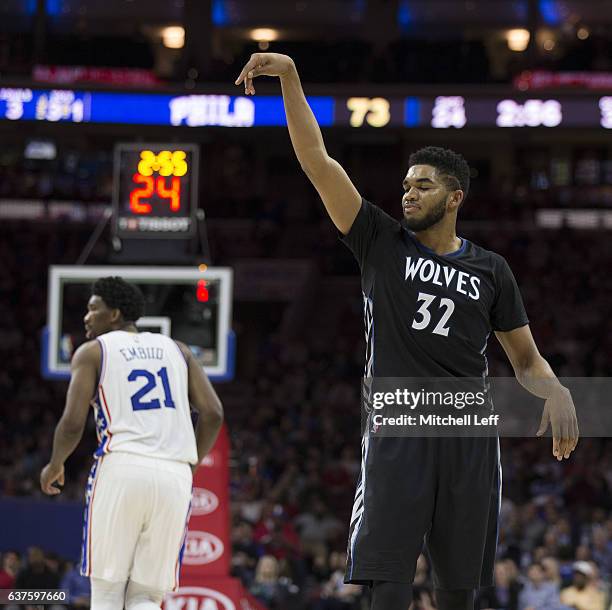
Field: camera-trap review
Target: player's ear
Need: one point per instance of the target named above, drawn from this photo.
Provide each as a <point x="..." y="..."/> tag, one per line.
<point x="115" y="315"/>
<point x="455" y="199"/>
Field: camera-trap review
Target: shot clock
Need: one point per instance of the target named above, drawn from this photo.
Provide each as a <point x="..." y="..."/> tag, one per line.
<point x="155" y="190"/>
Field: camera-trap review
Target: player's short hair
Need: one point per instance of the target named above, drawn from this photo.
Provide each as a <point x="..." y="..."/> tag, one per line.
<point x="452" y="167"/>
<point x="121" y="295"/>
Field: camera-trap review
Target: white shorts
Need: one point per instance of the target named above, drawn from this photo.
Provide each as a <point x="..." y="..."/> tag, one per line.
<point x="136" y="513"/>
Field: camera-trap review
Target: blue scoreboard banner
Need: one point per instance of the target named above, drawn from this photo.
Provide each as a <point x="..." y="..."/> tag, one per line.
<point x="152" y="108"/>
<point x="206" y="110"/>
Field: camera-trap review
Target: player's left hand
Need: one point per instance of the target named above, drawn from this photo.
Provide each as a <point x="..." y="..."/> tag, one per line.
<point x="560" y="412"/>
<point x="51" y="474"/>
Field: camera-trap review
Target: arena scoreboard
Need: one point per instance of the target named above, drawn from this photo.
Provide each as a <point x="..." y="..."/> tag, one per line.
<point x="155" y="190"/>
<point x="452" y="109"/>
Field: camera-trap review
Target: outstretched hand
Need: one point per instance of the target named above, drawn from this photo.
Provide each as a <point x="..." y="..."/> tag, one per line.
<point x="560" y="412"/>
<point x="263" y="64"/>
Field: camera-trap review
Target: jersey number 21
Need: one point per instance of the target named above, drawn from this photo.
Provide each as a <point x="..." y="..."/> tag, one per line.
<point x="138" y="402"/>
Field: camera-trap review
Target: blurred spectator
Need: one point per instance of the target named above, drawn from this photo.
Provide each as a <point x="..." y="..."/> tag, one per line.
<point x="11" y="561"/>
<point x="505" y="592"/>
<point x="602" y="551"/>
<point x="54" y="563"/>
<point x="584" y="593"/>
<point x="335" y="594"/>
<point x="538" y="594"/>
<point x="533" y="526"/>
<point x="276" y="534"/>
<point x="78" y="587"/>
<point x="551" y="571"/>
<point x="317" y="526"/>
<point x="244" y="552"/>
<point x="269" y="587"/>
<point x="36" y="574"/>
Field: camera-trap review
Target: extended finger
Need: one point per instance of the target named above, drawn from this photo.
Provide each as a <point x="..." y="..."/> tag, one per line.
<point x="250" y="88"/>
<point x="569" y="445"/>
<point x="556" y="442"/>
<point x="256" y="71"/>
<point x="562" y="441"/>
<point x="247" y="68"/>
<point x="565" y="438"/>
<point x="576" y="432"/>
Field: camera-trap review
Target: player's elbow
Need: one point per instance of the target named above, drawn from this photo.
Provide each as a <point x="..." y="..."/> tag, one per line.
<point x="70" y="427"/>
<point x="314" y="164"/>
<point x="529" y="363"/>
<point x="213" y="413"/>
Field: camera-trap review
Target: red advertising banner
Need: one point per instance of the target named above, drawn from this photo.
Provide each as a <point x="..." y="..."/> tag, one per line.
<point x="213" y="594"/>
<point x="542" y="79"/>
<point x="207" y="546"/>
<point x="122" y="77"/>
<point x="205" y="583"/>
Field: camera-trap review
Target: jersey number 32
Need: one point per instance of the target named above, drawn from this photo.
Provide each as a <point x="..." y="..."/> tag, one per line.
<point x="423" y="311"/>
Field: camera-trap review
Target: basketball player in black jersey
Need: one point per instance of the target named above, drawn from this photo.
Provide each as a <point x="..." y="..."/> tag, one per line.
<point x="431" y="300"/>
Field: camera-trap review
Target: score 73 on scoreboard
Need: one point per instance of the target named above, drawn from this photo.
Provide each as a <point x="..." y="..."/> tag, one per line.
<point x="155" y="190"/>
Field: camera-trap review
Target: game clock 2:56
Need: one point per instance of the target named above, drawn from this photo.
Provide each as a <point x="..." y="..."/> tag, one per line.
<point x="155" y="190"/>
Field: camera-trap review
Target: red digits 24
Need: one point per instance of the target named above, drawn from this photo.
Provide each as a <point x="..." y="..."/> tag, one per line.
<point x="173" y="193"/>
<point x="137" y="194"/>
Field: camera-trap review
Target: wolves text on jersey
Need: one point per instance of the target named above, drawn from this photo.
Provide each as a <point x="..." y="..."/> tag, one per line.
<point x="429" y="271"/>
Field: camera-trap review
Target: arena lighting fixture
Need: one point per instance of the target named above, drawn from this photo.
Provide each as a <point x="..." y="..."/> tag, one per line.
<point x="263" y="35"/>
<point x="173" y="37"/>
<point x="546" y="39"/>
<point x="517" y="39"/>
<point x="583" y="33"/>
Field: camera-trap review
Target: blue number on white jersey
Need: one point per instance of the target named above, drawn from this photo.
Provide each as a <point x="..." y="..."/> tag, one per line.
<point x="138" y="404"/>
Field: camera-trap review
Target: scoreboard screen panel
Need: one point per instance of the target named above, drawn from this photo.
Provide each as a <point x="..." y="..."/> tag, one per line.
<point x="453" y="109"/>
<point x="155" y="190"/>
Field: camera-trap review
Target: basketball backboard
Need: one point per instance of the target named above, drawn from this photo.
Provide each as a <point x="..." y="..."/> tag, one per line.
<point x="182" y="302"/>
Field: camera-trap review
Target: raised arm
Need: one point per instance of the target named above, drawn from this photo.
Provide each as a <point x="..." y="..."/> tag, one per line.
<point x="340" y="197"/>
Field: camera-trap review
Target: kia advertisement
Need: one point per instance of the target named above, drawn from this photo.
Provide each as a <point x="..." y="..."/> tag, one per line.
<point x="225" y="594"/>
<point x="205" y="583"/>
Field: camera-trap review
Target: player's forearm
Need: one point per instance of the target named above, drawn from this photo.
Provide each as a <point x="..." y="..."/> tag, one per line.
<point x="65" y="441"/>
<point x="538" y="378"/>
<point x="207" y="430"/>
<point x="304" y="130"/>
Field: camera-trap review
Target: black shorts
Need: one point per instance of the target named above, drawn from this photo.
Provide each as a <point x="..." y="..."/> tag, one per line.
<point x="441" y="492"/>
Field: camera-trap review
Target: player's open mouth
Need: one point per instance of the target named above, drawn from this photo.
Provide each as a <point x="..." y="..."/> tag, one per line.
<point x="411" y="207"/>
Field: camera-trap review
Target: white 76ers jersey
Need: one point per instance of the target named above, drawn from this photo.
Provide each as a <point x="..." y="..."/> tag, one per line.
<point x="142" y="402"/>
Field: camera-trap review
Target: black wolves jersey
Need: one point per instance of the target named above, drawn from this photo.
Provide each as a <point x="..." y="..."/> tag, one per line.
<point x="429" y="315"/>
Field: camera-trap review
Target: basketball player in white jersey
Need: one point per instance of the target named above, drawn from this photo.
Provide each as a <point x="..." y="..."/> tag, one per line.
<point x="141" y="386"/>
